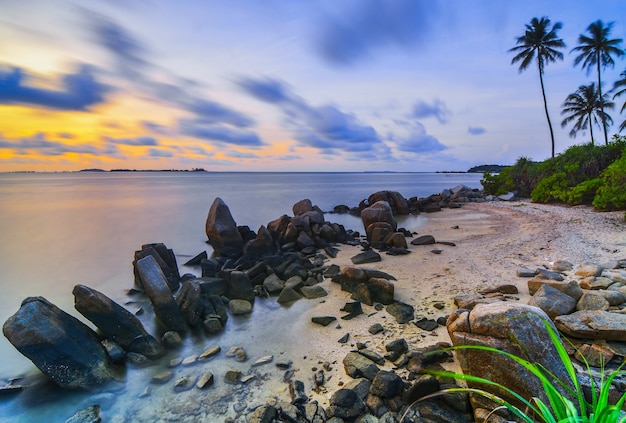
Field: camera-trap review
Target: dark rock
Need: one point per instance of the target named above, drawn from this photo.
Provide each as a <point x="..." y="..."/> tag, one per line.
<point x="378" y="212"/>
<point x="240" y="286"/>
<point x="88" y="415"/>
<point x="190" y="302"/>
<point x="210" y="267"/>
<point x="273" y="284"/>
<point x="351" y="276"/>
<point x="423" y="240"/>
<point x="376" y="328"/>
<point x="115" y="352"/>
<point x="422" y="386"/>
<point x="296" y="390"/>
<point x="357" y="365"/>
<point x="550" y="274"/>
<point x="403" y="313"/>
<point x="426" y="324"/>
<point x="221" y="229"/>
<point x="63" y="348"/>
<point x="570" y="288"/>
<point x="593" y="325"/>
<point x="312" y="292"/>
<point x="156" y="288"/>
<point x="239" y="307"/>
<point x="591" y="301"/>
<point x="261" y="246"/>
<point x="372" y="355"/>
<point x="552" y="301"/>
<point x="115" y="322"/>
<point x="263" y="414"/>
<point x="288" y="295"/>
<point x="399" y="205"/>
<point x="346" y="404"/>
<point x="323" y="320"/>
<point x="166" y="260"/>
<point x="197" y="260"/>
<point x="353" y="309"/>
<point x="386" y="384"/>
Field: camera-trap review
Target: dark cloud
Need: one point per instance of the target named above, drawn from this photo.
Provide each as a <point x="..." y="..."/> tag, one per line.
<point x="267" y="90"/>
<point x="211" y="112"/>
<point x="437" y="109"/>
<point x="155" y="152"/>
<point x="359" y="29"/>
<point x="155" y="127"/>
<point x="47" y="147"/>
<point x="419" y="141"/>
<point x="219" y="133"/>
<point x="325" y="127"/>
<point x="241" y="155"/>
<point x="476" y="130"/>
<point x="138" y="141"/>
<point x="78" y="91"/>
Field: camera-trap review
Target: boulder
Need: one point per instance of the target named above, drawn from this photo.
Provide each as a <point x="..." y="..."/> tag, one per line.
<point x="63" y="348"/>
<point x="115" y="322"/>
<point x="261" y="246"/>
<point x="552" y="301"/>
<point x="222" y="231"/>
<point x="302" y="207"/>
<point x="378" y="212"/>
<point x="594" y="324"/>
<point x="239" y="286"/>
<point x="190" y="301"/>
<point x="165" y="259"/>
<point x="510" y="327"/>
<point x="351" y="276"/>
<point x="367" y="256"/>
<point x="155" y="285"/>
<point x="399" y="205"/>
<point x="387" y="384"/>
<point x="346" y="404"/>
<point x="570" y="288"/>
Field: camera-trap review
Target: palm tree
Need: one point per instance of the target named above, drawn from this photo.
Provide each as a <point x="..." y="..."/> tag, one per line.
<point x="598" y="50"/>
<point x="585" y="109"/>
<point x="539" y="43"/>
<point x="620" y="85"/>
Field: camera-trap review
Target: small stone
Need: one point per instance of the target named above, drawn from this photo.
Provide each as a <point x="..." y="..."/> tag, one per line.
<point x="526" y="273"/>
<point x="162" y="377"/>
<point x="189" y="361"/>
<point x="88" y="415"/>
<point x="171" y="339"/>
<point x="205" y="381"/>
<point x="184" y="383"/>
<point x="238" y="352"/>
<point x="288" y="295"/>
<point x="247" y="378"/>
<point x="212" y="324"/>
<point x="436" y="251"/>
<point x="376" y="328"/>
<point x="323" y="320"/>
<point x="284" y="364"/>
<point x="344" y="338"/>
<point x="426" y="324"/>
<point x="174" y="362"/>
<point x="232" y="376"/>
<point x="239" y="307"/>
<point x="423" y="240"/>
<point x="210" y="352"/>
<point x="263" y="360"/>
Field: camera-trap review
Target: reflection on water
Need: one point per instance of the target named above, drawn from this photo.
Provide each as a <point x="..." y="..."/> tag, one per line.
<point x="59" y="230"/>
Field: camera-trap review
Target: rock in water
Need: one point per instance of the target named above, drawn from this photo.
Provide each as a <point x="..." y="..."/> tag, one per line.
<point x="156" y="288"/>
<point x="63" y="348"/>
<point x="222" y="231"/>
<point x="115" y="322"/>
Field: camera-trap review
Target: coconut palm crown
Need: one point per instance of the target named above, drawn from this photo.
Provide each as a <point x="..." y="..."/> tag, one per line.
<point x="584" y="109"/>
<point x="539" y="45"/>
<point x="597" y="50"/>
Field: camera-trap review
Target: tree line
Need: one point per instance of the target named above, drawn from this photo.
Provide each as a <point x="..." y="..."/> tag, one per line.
<point x="596" y="51"/>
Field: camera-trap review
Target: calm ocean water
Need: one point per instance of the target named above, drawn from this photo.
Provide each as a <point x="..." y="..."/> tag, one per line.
<point x="61" y="229"/>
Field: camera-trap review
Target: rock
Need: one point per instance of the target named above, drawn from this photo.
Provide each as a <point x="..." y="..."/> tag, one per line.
<point x="166" y="260"/>
<point x="261" y="246"/>
<point x="381" y="290"/>
<point x="190" y="302"/>
<point x="550" y="274"/>
<point x="209" y="353"/>
<point x="357" y="365"/>
<point x="587" y="270"/>
<point x="590" y="301"/>
<point x="155" y="285"/>
<point x="422" y="386"/>
<point x="296" y="390"/>
<point x="211" y="285"/>
<point x="288" y="295"/>
<point x="263" y="360"/>
<point x="263" y="414"/>
<point x="552" y="301"/>
<point x="273" y="284"/>
<point x="502" y="289"/>
<point x="212" y="324"/>
<point x="378" y="212"/>
<point x="344" y="339"/>
<point x="593" y="325"/>
<point x="595" y="355"/>
<point x="387" y="384"/>
<point x="396" y="240"/>
<point x="63" y="348"/>
<point x="222" y="231"/>
<point x="376" y="328"/>
<point x="426" y="324"/>
<point x="614" y="297"/>
<point x="403" y="313"/>
<point x="206" y="380"/>
<point x="239" y="307"/>
<point x="570" y="288"/>
<point x="323" y="320"/>
<point x="232" y="376"/>
<point x="369" y="256"/>
<point x="372" y="355"/>
<point x="162" y="377"/>
<point x="423" y="240"/>
<point x="353" y="309"/>
<point x="172" y="339"/>
<point x="399" y="205"/>
<point x="313" y="292"/>
<point x="593" y="282"/>
<point x="190" y="361"/>
<point x="196" y="260"/>
<point x="88" y="415"/>
<point x="516" y="328"/>
<point x="240" y="286"/>
<point x="345" y="404"/>
<point x="184" y="383"/>
<point x="238" y="353"/>
<point x="351" y="276"/>
<point x="526" y="273"/>
<point x="562" y="266"/>
<point x="115" y="322"/>
<point x="114" y="351"/>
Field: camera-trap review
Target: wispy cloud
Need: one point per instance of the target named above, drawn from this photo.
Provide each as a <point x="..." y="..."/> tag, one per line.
<point x="138" y="141"/>
<point x="78" y="91"/>
<point x="356" y="31"/>
<point x="155" y="152"/>
<point x="436" y="109"/>
<point x="418" y="141"/>
<point x="326" y="127"/>
<point x="48" y="147"/>
<point x="211" y="112"/>
<point x="220" y="133"/>
<point x="476" y="130"/>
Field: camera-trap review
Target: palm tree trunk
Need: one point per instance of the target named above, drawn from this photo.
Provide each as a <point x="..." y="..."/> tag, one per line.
<point x="545" y="106"/>
<point x="601" y="100"/>
<point x="590" y="128"/>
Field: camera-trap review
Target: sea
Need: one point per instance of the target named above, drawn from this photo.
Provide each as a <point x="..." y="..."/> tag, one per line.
<point x="62" y="229"/>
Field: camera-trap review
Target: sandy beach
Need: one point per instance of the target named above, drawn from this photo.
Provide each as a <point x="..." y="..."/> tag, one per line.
<point x="492" y="241"/>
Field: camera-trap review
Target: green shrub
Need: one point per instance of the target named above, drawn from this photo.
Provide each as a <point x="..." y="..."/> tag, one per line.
<point x="524" y="175"/>
<point x="498" y="183"/>
<point x="611" y="194"/>
<point x="556" y="186"/>
<point x="583" y="193"/>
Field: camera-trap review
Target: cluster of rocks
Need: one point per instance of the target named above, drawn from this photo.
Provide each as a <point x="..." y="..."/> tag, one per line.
<point x="586" y="303"/>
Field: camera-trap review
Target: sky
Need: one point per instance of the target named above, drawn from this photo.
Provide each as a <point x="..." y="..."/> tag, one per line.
<point x="284" y="85"/>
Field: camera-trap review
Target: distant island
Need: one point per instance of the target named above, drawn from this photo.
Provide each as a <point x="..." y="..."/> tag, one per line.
<point x="487" y="169"/>
<point x="196" y="169"/>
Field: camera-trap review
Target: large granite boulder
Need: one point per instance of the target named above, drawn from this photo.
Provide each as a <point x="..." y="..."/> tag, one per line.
<point x="155" y="284"/>
<point x="352" y="276"/>
<point x="511" y="327"/>
<point x="115" y="322"/>
<point x="399" y="205"/>
<point x="222" y="231"/>
<point x="62" y="347"/>
<point x="261" y="246"/>
<point x="378" y="212"/>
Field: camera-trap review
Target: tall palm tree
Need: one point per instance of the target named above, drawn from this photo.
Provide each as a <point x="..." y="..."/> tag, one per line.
<point x="598" y="50"/>
<point x="585" y="109"/>
<point x="620" y="86"/>
<point x="539" y="43"/>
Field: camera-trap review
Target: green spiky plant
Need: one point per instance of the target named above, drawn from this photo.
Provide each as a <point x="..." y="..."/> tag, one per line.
<point x="558" y="408"/>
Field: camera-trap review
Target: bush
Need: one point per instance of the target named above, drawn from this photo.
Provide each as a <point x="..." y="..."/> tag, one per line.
<point x="498" y="183"/>
<point x="611" y="194"/>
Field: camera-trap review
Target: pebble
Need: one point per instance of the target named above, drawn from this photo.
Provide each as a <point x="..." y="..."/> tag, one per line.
<point x="205" y="381"/>
<point x="210" y="352"/>
<point x="264" y="360"/>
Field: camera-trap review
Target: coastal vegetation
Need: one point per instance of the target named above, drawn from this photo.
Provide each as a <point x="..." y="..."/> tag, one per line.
<point x="583" y="174"/>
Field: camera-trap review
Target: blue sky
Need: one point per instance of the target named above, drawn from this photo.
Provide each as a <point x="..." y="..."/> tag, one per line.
<point x="360" y="85"/>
